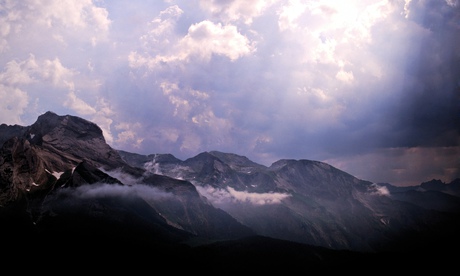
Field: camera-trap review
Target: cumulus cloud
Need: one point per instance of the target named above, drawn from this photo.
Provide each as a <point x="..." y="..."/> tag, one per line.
<point x="103" y="118"/>
<point x="128" y="134"/>
<point x="18" y="76"/>
<point x="236" y="10"/>
<point x="320" y="79"/>
<point x="229" y="195"/>
<point x="56" y="15"/>
<point x="78" y="105"/>
<point x="14" y="102"/>
<point x="203" y="40"/>
<point x="206" y="38"/>
<point x="32" y="70"/>
<point x="345" y="76"/>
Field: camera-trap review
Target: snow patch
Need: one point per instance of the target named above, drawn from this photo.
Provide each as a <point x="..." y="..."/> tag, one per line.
<point x="55" y="174"/>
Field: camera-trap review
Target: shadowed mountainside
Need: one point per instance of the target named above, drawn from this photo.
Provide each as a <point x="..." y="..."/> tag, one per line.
<point x="62" y="187"/>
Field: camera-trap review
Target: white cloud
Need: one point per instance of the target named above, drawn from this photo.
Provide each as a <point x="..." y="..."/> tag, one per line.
<point x="12" y="104"/>
<point x="181" y="105"/>
<point x="114" y="190"/>
<point x="161" y="33"/>
<point x="128" y="134"/>
<point x="103" y="118"/>
<point x="55" y="72"/>
<point x="207" y="38"/>
<point x="187" y="102"/>
<point x="268" y="79"/>
<point x="78" y="105"/>
<point x="235" y="10"/>
<point x="344" y="76"/>
<point x="20" y="72"/>
<point x="203" y="40"/>
<point x="18" y="77"/>
<point x="82" y="17"/>
<point x="229" y="195"/>
<point x="452" y="3"/>
<point x="289" y="14"/>
<point x="379" y="190"/>
<point x="32" y="70"/>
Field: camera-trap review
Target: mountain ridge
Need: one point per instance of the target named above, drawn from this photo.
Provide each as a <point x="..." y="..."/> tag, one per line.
<point x="61" y="181"/>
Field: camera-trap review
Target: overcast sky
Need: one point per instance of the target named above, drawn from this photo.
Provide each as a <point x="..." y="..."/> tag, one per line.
<point x="371" y="87"/>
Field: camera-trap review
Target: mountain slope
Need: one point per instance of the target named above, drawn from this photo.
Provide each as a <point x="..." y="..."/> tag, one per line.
<point x="307" y="201"/>
<point x="62" y="187"/>
<point x="60" y="170"/>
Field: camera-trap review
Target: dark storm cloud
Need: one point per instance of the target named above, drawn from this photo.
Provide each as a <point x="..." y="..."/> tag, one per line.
<point x="427" y="113"/>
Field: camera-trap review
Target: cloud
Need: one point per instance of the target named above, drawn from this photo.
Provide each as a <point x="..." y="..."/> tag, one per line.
<point x="102" y="190"/>
<point x="236" y="10"/>
<point x="203" y="40"/>
<point x="229" y="195"/>
<point x="403" y="166"/>
<point x="14" y="102"/>
<point x="344" y="76"/>
<point x="19" y="72"/>
<point x="78" y="105"/>
<point x="32" y="70"/>
<point x="320" y="79"/>
<point x="207" y="38"/>
<point x="128" y="134"/>
<point x="19" y="77"/>
<point x="379" y="190"/>
<point x="56" y="15"/>
<point x="132" y="187"/>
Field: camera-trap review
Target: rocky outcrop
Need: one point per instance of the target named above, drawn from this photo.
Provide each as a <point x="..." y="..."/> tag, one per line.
<point x="62" y="186"/>
<point x="60" y="169"/>
<point x="305" y="201"/>
<point x="24" y="169"/>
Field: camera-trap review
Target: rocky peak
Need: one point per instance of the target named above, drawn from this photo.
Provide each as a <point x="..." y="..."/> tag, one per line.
<point x="236" y="161"/>
<point x="314" y="177"/>
<point x="33" y="158"/>
<point x="75" y="139"/>
<point x="434" y="184"/>
<point x="57" y="129"/>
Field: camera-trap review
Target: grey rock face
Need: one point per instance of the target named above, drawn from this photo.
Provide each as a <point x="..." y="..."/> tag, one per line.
<point x="61" y="167"/>
<point x="62" y="185"/>
<point x="304" y="201"/>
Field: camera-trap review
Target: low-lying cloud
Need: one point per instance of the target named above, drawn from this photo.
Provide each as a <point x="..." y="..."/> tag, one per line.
<point x="379" y="190"/>
<point x="103" y="190"/>
<point x="229" y="195"/>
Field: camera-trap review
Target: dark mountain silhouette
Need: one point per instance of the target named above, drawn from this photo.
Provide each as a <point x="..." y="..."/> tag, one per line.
<point x="63" y="188"/>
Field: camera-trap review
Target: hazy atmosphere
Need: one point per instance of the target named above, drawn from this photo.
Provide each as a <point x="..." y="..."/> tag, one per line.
<point x="371" y="87"/>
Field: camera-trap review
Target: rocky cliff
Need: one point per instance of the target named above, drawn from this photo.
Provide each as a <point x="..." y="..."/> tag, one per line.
<point x="62" y="187"/>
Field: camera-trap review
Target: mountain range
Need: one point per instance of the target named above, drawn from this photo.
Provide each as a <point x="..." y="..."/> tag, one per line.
<point x="66" y="192"/>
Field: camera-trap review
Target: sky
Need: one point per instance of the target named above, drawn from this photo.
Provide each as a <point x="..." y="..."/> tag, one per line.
<point x="371" y="87"/>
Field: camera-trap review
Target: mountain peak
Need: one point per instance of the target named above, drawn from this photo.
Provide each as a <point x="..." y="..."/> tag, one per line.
<point x="75" y="138"/>
<point x="50" y="123"/>
<point x="235" y="160"/>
